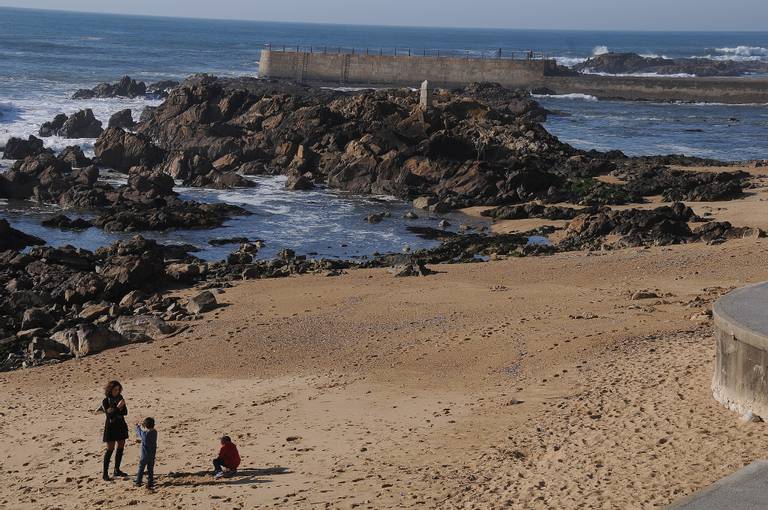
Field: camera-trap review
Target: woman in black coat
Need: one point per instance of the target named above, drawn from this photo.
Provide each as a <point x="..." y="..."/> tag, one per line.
<point x="115" y="428"/>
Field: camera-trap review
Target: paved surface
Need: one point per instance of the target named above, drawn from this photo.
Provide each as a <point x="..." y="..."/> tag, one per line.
<point x="747" y="307"/>
<point x="746" y="489"/>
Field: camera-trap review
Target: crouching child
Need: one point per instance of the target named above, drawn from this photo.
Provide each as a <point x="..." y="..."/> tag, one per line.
<point x="228" y="458"/>
<point x="148" y="436"/>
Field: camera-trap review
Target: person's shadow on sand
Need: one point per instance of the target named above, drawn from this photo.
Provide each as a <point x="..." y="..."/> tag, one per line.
<point x="241" y="477"/>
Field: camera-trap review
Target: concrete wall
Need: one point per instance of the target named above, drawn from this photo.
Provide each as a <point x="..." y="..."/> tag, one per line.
<point x="360" y="69"/>
<point x="740" y="380"/>
<point x="375" y="70"/>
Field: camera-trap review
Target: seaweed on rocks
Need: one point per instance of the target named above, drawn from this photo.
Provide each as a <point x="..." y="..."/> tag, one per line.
<point x="675" y="185"/>
<point x="523" y="211"/>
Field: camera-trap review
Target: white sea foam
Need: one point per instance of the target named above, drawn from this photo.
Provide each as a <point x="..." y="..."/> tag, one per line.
<point x="600" y="50"/>
<point x="25" y="116"/>
<point x="744" y="51"/>
<point x="644" y="75"/>
<point x="570" y="61"/>
<point x="580" y="97"/>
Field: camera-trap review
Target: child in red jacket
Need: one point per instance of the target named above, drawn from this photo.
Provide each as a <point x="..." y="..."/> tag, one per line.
<point x="228" y="458"/>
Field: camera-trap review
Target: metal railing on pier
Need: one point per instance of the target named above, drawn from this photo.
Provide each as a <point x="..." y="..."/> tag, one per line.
<point x="500" y="53"/>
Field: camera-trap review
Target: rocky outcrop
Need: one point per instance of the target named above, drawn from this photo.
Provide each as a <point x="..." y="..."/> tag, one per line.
<point x="676" y="185"/>
<point x="464" y="152"/>
<point x="121" y="150"/>
<point x="82" y="124"/>
<point x="147" y="202"/>
<point x="161" y="89"/>
<point x="63" y="222"/>
<point x="637" y="227"/>
<point x="126" y="87"/>
<point x="518" y="212"/>
<point x="632" y="63"/>
<point x="74" y="156"/>
<point x="18" y="148"/>
<point x="122" y="119"/>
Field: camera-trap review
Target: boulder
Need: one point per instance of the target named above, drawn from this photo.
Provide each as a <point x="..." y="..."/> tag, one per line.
<point x="52" y="127"/>
<point x="92" y="339"/>
<point x="201" y="303"/>
<point x="141" y="328"/>
<point x="94" y="311"/>
<point x="122" y="119"/>
<point x="18" y="148"/>
<point x="131" y="299"/>
<point x="74" y="156"/>
<point x="182" y="272"/>
<point x="82" y="124"/>
<point x="37" y="318"/>
<point x="298" y="182"/>
<point x="412" y="269"/>
<point x="121" y="150"/>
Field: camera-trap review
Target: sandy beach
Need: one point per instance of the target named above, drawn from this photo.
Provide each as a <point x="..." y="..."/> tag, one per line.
<point x="524" y="383"/>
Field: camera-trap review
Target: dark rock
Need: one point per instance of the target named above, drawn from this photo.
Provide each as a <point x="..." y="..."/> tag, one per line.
<point x="661" y="226"/>
<point x="126" y="87"/>
<point x="230" y="240"/>
<point x="74" y="156"/>
<point x="51" y="128"/>
<point x="65" y="223"/>
<point x="416" y="269"/>
<point x="37" y="318"/>
<point x="183" y="272"/>
<point x="632" y="63"/>
<point x="161" y="89"/>
<point x="12" y="239"/>
<point x="18" y="148"/>
<point x="121" y="150"/>
<point x="298" y="182"/>
<point x="517" y="212"/>
<point x="122" y="120"/>
<point x="82" y="124"/>
<point x="201" y="303"/>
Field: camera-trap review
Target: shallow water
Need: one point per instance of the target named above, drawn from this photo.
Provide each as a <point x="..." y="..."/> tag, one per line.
<point x="321" y="223"/>
<point x="46" y="56"/>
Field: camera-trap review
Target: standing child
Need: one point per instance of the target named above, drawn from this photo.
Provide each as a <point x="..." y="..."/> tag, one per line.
<point x="148" y="438"/>
<point x="228" y="458"/>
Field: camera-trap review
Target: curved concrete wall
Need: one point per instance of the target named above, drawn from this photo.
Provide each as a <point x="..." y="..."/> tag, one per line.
<point x="741" y="367"/>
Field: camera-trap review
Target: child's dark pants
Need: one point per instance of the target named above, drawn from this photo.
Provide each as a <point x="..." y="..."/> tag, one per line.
<point x="149" y="466"/>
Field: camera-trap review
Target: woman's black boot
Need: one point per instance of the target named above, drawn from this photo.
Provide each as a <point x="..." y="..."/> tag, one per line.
<point x="118" y="460"/>
<point x="107" y="459"/>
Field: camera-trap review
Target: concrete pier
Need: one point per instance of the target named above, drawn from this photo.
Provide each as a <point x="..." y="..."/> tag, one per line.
<point x="740" y="381"/>
<point x="347" y="69"/>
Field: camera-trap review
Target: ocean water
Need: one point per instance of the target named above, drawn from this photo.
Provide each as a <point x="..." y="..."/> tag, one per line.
<point x="46" y="56"/>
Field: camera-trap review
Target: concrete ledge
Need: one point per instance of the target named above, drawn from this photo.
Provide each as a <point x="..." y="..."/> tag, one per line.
<point x="744" y="490"/>
<point x="740" y="380"/>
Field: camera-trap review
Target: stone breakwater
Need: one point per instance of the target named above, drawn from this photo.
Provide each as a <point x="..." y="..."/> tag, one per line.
<point x="538" y="75"/>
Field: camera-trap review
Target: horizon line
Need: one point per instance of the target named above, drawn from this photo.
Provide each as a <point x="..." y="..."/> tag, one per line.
<point x="384" y="25"/>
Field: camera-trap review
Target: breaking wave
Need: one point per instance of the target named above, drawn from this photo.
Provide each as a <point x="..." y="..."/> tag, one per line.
<point x="580" y="97"/>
